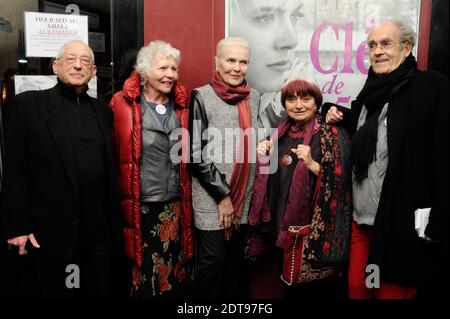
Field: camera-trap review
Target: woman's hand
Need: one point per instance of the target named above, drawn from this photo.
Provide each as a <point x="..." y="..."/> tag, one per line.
<point x="136" y="277"/>
<point x="226" y="212"/>
<point x="265" y="148"/>
<point x="334" y="115"/>
<point x="303" y="153"/>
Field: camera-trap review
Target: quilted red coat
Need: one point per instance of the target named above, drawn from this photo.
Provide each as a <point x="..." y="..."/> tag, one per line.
<point x="127" y="140"/>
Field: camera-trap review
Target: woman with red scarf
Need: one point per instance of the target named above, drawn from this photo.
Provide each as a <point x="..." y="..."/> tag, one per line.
<point x="222" y="171"/>
<point x="150" y="114"/>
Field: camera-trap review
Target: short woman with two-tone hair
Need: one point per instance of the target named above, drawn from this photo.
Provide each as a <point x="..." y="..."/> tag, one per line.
<point x="312" y="159"/>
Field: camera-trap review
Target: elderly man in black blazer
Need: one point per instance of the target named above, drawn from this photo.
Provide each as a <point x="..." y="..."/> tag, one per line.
<point x="60" y="191"/>
<point x="399" y="123"/>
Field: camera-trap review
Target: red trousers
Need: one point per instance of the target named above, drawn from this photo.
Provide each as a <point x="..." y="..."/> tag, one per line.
<point x="359" y="253"/>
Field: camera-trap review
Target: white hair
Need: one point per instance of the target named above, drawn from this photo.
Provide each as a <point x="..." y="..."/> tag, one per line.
<point x="63" y="48"/>
<point x="146" y="55"/>
<point x="407" y="33"/>
<point x="231" y="41"/>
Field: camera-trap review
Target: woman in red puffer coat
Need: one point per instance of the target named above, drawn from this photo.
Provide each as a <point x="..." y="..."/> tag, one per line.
<point x="151" y="149"/>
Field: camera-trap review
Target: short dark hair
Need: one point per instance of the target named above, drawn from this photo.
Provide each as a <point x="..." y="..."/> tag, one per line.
<point x="301" y="88"/>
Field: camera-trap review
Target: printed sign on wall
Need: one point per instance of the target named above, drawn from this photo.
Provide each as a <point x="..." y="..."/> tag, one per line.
<point x="45" y="33"/>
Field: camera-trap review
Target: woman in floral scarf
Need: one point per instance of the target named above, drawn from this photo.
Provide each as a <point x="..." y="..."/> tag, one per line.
<point x="311" y="185"/>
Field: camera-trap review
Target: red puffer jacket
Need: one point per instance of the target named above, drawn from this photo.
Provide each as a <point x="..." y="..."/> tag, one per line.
<point x="127" y="140"/>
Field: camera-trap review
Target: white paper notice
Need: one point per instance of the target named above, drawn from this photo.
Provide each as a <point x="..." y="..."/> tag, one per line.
<point x="45" y="33"/>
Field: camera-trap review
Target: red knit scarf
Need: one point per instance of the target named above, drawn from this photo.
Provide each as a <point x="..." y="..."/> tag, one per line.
<point x="241" y="170"/>
<point x="230" y="94"/>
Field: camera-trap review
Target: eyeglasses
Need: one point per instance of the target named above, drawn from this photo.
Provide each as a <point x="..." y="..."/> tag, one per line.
<point x="71" y="59"/>
<point x="384" y="45"/>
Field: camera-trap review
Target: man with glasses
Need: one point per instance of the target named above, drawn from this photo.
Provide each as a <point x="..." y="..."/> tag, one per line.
<point x="61" y="204"/>
<point x="399" y="123"/>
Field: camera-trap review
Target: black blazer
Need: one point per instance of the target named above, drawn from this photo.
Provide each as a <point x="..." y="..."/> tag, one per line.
<point x="40" y="190"/>
<point x="416" y="177"/>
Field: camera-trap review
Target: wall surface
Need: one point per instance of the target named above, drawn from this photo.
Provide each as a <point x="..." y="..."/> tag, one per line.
<point x="439" y="44"/>
<point x="193" y="27"/>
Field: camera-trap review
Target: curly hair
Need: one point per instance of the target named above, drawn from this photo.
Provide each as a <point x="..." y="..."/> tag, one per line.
<point x="146" y="55"/>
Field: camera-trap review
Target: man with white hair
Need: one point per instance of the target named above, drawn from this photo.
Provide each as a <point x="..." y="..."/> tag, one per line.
<point x="60" y="189"/>
<point x="399" y="123"/>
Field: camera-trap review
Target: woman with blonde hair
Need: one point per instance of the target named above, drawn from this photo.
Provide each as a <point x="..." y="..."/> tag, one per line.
<point x="221" y="189"/>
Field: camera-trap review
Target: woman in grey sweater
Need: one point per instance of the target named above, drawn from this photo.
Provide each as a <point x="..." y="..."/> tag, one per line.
<point x="222" y="172"/>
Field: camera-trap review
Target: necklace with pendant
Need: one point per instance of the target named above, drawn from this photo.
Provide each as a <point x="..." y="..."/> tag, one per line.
<point x="286" y="160"/>
<point x="295" y="131"/>
<point x="161" y="109"/>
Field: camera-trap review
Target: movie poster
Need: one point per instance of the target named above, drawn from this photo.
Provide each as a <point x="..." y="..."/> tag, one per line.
<point x="322" y="38"/>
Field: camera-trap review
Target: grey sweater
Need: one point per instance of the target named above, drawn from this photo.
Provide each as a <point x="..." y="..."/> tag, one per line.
<point x="366" y="195"/>
<point x="222" y="117"/>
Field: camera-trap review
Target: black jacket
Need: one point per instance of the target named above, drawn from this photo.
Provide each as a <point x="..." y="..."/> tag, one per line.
<point x="206" y="172"/>
<point x="40" y="189"/>
<point x="416" y="177"/>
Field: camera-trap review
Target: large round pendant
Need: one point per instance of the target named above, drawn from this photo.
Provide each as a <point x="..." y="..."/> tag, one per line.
<point x="161" y="109"/>
<point x="286" y="160"/>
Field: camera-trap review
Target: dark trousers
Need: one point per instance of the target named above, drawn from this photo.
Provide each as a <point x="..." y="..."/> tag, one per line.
<point x="220" y="270"/>
<point x="435" y="284"/>
<point x="90" y="267"/>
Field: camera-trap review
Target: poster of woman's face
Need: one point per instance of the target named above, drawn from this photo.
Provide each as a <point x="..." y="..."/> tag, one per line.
<point x="322" y="38"/>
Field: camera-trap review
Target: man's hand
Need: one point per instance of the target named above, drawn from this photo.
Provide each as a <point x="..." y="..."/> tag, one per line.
<point x="431" y="240"/>
<point x="334" y="115"/>
<point x="226" y="212"/>
<point x="21" y="242"/>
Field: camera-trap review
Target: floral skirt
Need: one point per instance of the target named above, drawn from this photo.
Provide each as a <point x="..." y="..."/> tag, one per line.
<point x="161" y="270"/>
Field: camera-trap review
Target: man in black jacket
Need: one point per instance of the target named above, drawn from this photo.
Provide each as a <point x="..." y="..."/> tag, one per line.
<point x="399" y="123"/>
<point x="60" y="190"/>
